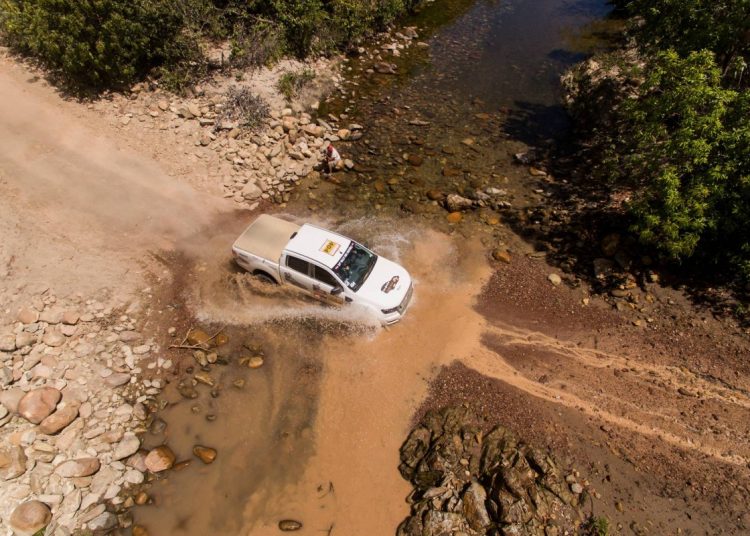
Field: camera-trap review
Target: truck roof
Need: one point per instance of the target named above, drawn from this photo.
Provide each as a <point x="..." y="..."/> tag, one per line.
<point x="325" y="247"/>
<point x="267" y="237"/>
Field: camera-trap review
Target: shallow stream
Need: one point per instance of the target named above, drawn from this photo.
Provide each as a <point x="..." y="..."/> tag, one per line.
<point x="313" y="434"/>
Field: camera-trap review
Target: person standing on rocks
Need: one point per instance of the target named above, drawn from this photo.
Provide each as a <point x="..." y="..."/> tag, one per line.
<point x="333" y="159"/>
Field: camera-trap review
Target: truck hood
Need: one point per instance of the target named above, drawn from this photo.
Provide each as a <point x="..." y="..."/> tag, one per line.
<point x="386" y="286"/>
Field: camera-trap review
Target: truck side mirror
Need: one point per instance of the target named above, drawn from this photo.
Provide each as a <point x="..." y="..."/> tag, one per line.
<point x="335" y="291"/>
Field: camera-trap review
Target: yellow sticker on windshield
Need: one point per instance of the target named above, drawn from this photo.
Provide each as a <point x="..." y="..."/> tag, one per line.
<point x="330" y="247"/>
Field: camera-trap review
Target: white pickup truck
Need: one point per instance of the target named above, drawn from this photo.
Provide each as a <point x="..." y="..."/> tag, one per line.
<point x="331" y="267"/>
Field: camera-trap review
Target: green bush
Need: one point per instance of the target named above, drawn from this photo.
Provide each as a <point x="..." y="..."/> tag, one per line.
<point x="722" y="26"/>
<point x="291" y="83"/>
<point x="92" y="43"/>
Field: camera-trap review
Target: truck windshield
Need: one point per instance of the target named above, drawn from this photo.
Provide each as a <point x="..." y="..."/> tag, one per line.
<point x="355" y="266"/>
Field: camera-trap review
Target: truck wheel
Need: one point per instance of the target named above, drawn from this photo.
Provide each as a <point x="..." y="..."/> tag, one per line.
<point x="265" y="278"/>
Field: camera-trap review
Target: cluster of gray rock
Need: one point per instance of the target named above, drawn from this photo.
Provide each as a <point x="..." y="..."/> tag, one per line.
<point x="262" y="163"/>
<point x="468" y="483"/>
<point x="70" y="414"/>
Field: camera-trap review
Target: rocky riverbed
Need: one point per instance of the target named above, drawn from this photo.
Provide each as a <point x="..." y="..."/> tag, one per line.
<point x="78" y="379"/>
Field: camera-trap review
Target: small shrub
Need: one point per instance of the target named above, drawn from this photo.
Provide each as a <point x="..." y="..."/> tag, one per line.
<point x="244" y="108"/>
<point x="291" y="83"/>
<point x="595" y="526"/>
<point x="256" y="44"/>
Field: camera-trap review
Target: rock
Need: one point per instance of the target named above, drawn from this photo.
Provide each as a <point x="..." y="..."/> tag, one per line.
<point x="36" y="405"/>
<point x="7" y="342"/>
<point x="536" y="172"/>
<point x="78" y="468"/>
<point x="127" y="447"/>
<point x="198" y="337"/>
<point x="141" y="498"/>
<point x="52" y="315"/>
<point x="54" y="338"/>
<point x="160" y="459"/>
<point x="117" y="379"/>
<point x="384" y="68"/>
<point x="205" y="454"/>
<point x="139" y="530"/>
<point x="205" y="379"/>
<point x="58" y="420"/>
<point x="142" y="349"/>
<point x="138" y="461"/>
<point x="609" y="244"/>
<point x="12" y="462"/>
<point x="27" y="316"/>
<point x="11" y="398"/>
<point x="289" y="525"/>
<point x="25" y="339"/>
<point x="501" y="255"/>
<point x="456" y="203"/>
<point x="70" y="318"/>
<point x="415" y="160"/>
<point x="554" y="279"/>
<point x="474" y="508"/>
<point x="435" y="195"/>
<point x="29" y="518"/>
<point x="103" y="522"/>
<point x="454" y="217"/>
<point x="576" y="488"/>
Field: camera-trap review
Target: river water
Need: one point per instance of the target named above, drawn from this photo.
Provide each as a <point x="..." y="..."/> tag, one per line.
<point x="313" y="435"/>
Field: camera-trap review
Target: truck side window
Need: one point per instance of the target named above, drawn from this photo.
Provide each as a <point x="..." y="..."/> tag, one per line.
<point x="325" y="277"/>
<point x="298" y="265"/>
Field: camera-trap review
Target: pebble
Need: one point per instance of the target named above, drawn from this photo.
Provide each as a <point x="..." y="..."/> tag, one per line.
<point x="554" y="279"/>
<point x="205" y="454"/>
<point x="160" y="459"/>
<point x="289" y="525"/>
<point x="78" y="468"/>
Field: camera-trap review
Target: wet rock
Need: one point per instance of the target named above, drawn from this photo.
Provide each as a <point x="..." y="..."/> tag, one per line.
<point x="139" y="530"/>
<point x="198" y="337"/>
<point x="187" y="391"/>
<point x="58" y="420"/>
<point x="415" y="160"/>
<point x="36" y="405"/>
<point x="103" y="522"/>
<point x="78" y="468"/>
<point x="501" y="255"/>
<point x="205" y="379"/>
<point x="160" y="459"/>
<point x="435" y="195"/>
<point x="252" y="362"/>
<point x="141" y="498"/>
<point x="289" y="525"/>
<point x="29" y="518"/>
<point x="456" y="203"/>
<point x="384" y="68"/>
<point x="205" y="454"/>
<point x="158" y="426"/>
<point x="454" y="217"/>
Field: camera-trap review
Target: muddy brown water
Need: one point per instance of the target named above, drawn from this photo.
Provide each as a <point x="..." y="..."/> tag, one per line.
<point x="314" y="434"/>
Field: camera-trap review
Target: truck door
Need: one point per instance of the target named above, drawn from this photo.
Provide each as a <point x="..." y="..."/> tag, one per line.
<point x="296" y="271"/>
<point x="323" y="284"/>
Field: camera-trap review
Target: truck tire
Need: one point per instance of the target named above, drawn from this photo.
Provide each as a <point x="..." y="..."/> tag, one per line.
<point x="264" y="277"/>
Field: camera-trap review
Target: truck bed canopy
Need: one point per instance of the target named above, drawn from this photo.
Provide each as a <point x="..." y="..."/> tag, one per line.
<point x="266" y="237"/>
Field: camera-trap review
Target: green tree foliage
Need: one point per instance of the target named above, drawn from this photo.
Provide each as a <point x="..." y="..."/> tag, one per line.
<point x="93" y="43"/>
<point x="722" y="26"/>
<point x="106" y="43"/>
